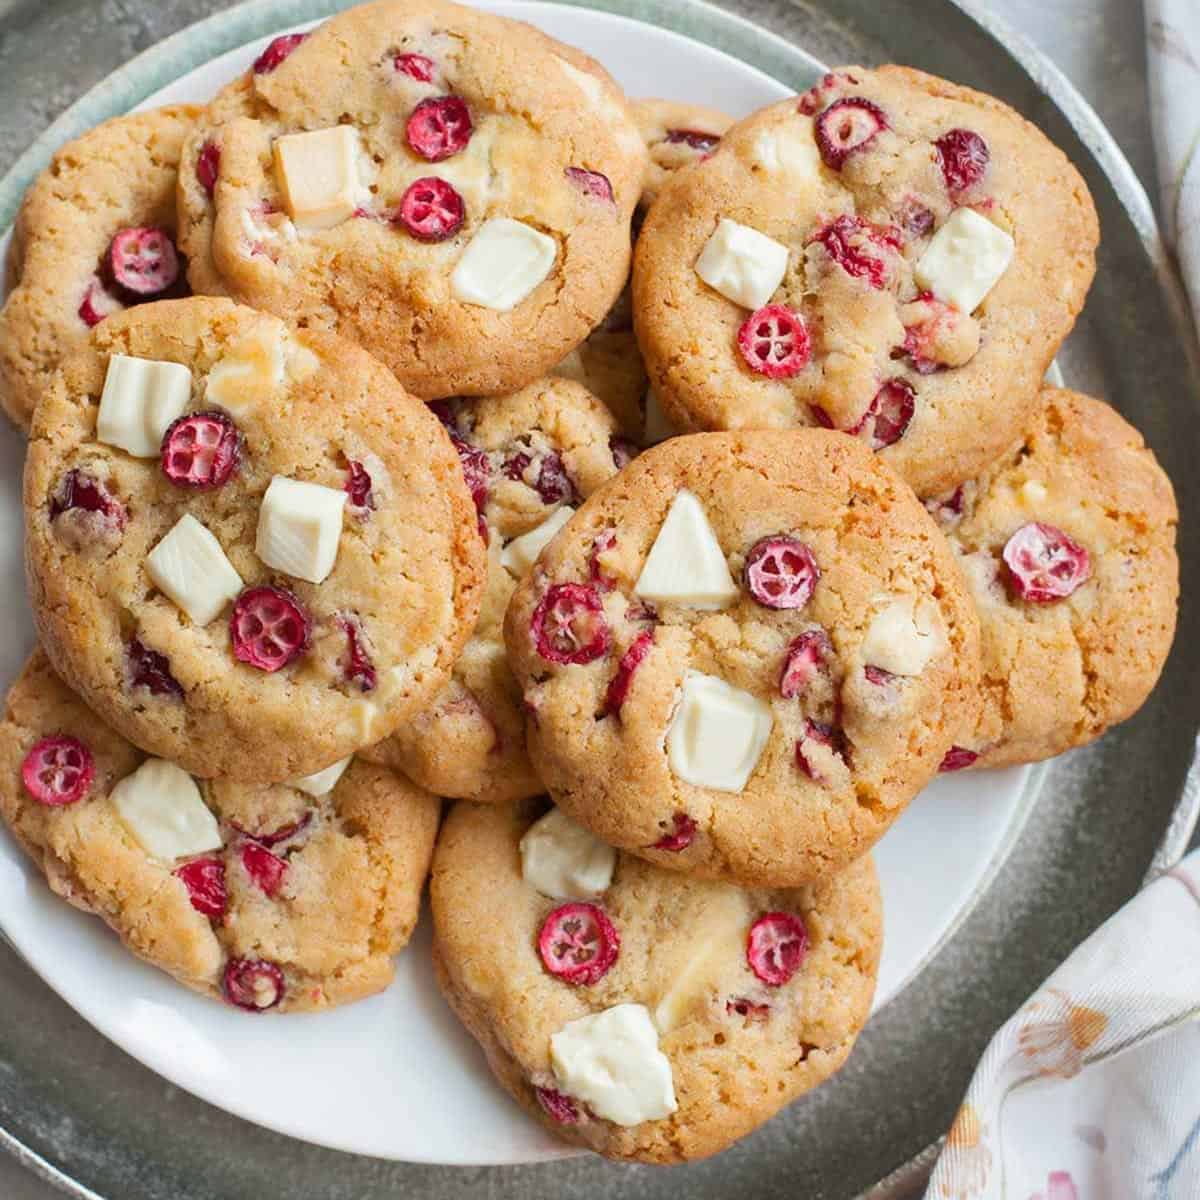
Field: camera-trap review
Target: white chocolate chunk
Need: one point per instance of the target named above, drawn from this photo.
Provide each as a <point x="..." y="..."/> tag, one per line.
<point x="718" y="734"/>
<point x="904" y="636"/>
<point x="563" y="860"/>
<point x="521" y="553"/>
<point x="504" y="262"/>
<point x="321" y="783"/>
<point x="318" y="175"/>
<point x="1032" y="495"/>
<point x="656" y="427"/>
<point x="965" y="259"/>
<point x="299" y="527"/>
<point x="250" y="371"/>
<point x="141" y="398"/>
<point x="745" y="266"/>
<point x="686" y="564"/>
<point x="190" y="568"/>
<point x="611" y="1062"/>
<point x="162" y="807"/>
<point x="790" y="149"/>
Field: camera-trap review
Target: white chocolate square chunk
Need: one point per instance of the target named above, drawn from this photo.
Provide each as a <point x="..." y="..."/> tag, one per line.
<point x="563" y="860"/>
<point x="789" y="148"/>
<point x="299" y="527"/>
<point x="318" y="175"/>
<point x="503" y="263"/>
<point x="249" y="372"/>
<point x="190" y="568"/>
<point x="162" y="807"/>
<point x="965" y="259"/>
<point x="745" y="266"/>
<point x="611" y="1062"/>
<point x="686" y="564"/>
<point x="718" y="735"/>
<point x="521" y="553"/>
<point x="904" y="635"/>
<point x="141" y="398"/>
<point x="321" y="783"/>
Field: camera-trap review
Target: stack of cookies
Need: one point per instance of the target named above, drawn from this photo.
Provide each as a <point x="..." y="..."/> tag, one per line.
<point x="359" y="480"/>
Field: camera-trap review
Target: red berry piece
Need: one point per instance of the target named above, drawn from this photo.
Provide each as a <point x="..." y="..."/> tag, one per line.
<point x="821" y="417"/>
<point x="681" y="835"/>
<point x="781" y="572"/>
<point x="58" y="770"/>
<point x="142" y="263"/>
<point x="578" y="944"/>
<point x="439" y="128"/>
<point x="823" y="735"/>
<point x="776" y="947"/>
<point x="415" y="66"/>
<point x="888" y="418"/>
<point x="516" y="465"/>
<point x="268" y="627"/>
<point x="591" y="184"/>
<point x="846" y="127"/>
<point x="97" y="304"/>
<point x="602" y="543"/>
<point x="559" y="1105"/>
<point x="1045" y="564"/>
<point x="963" y="156"/>
<point x="431" y="210"/>
<point x="358" y="488"/>
<point x="705" y="143"/>
<point x="878" y="676"/>
<point x="264" y="868"/>
<point x="642" y="610"/>
<point x="807" y="657"/>
<point x="283" y="834"/>
<point x="151" y="670"/>
<point x="253" y="984"/>
<point x="204" y="879"/>
<point x="356" y="664"/>
<point x="618" y="686"/>
<point x="208" y="166"/>
<point x="623" y="452"/>
<point x="958" y="758"/>
<point x="915" y="218"/>
<point x="812" y="100"/>
<point x="81" y="491"/>
<point x="277" y="50"/>
<point x="861" y="249"/>
<point x="774" y="342"/>
<point x="476" y="470"/>
<point x="201" y="450"/>
<point x="553" y="483"/>
<point x="748" y="1010"/>
<point x="568" y="624"/>
<point x="947" y="509"/>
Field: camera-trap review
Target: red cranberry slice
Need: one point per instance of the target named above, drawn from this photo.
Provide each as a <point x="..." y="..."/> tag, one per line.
<point x="79" y="490"/>
<point x="603" y="542"/>
<point x="823" y="735"/>
<point x="920" y="338"/>
<point x="559" y="1105"/>
<point x="475" y="468"/>
<point x="208" y="166"/>
<point x="142" y="262"/>
<point x="204" y="879"/>
<point x="269" y="628"/>
<point x="282" y="834"/>
<point x="806" y="658"/>
<point x="578" y="944"/>
<point x="253" y="984"/>
<point x="958" y="758"/>
<point x="812" y="100"/>
<point x="776" y="947"/>
<point x="431" y="210"/>
<point x="515" y="466"/>
<point x="888" y="418"/>
<point x="96" y="305"/>
<point x="356" y="663"/>
<point x="846" y="127"/>
<point x="947" y="509"/>
<point x="1045" y="563"/>
<point x="623" y="451"/>
<point x="591" y="184"/>
<point x="774" y="342"/>
<point x="358" y="488"/>
<point x="781" y="572"/>
<point x="916" y="217"/>
<point x="264" y="868"/>
<point x="861" y="249"/>
<point x="963" y="156"/>
<point x="553" y="484"/>
<point x="618" y="686"/>
<point x="58" y="771"/>
<point x="705" y="143"/>
<point x="151" y="670"/>
<point x="569" y="625"/>
<point x="878" y="676"/>
<point x="201" y="450"/>
<point x="439" y="128"/>
<point x="415" y="66"/>
<point x="681" y="836"/>
<point x="277" y="50"/>
<point x="748" y="1010"/>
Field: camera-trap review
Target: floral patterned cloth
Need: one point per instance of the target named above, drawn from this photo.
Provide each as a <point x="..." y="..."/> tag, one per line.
<point x="1092" y="1091"/>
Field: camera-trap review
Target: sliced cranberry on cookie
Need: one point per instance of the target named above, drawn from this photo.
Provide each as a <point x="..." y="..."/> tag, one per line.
<point x="58" y="771"/>
<point x="578" y="944"/>
<point x="269" y="628"/>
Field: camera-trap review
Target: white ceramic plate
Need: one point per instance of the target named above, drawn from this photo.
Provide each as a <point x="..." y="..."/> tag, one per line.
<point x="395" y="1076"/>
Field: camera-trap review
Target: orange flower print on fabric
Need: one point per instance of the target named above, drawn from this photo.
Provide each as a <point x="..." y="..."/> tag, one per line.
<point x="967" y="1161"/>
<point x="1055" y="1040"/>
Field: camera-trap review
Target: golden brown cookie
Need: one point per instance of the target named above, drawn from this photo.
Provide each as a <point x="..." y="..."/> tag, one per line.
<point x="676" y="135"/>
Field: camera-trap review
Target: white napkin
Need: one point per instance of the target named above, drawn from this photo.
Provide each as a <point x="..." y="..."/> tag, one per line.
<point x="1092" y="1091"/>
<point x="1173" y="50"/>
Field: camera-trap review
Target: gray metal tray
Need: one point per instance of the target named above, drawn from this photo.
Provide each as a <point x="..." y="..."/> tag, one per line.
<point x="83" y="1115"/>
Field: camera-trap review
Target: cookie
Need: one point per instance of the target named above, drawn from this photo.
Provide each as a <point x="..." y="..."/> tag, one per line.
<point x="890" y="255"/>
<point x="531" y="459"/>
<point x="248" y="549"/>
<point x="95" y="234"/>
<point x="636" y="1012"/>
<point x="449" y="188"/>
<point x="745" y="655"/>
<point x="286" y="898"/>
<point x="676" y="135"/>
<point x="1068" y="546"/>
